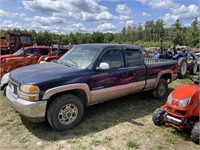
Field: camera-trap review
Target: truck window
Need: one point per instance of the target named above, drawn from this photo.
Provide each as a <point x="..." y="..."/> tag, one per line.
<point x="133" y="57"/>
<point x="25" y="40"/>
<point x="114" y="58"/>
<point x="44" y="51"/>
<point x="31" y="51"/>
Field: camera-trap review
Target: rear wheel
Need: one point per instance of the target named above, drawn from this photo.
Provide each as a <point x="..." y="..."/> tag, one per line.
<point x="161" y="89"/>
<point x="193" y="68"/>
<point x="65" y="112"/>
<point x="195" y="134"/>
<point x="158" y="117"/>
<point x="182" y="70"/>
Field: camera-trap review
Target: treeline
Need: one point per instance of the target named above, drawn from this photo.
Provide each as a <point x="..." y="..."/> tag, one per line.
<point x="147" y="35"/>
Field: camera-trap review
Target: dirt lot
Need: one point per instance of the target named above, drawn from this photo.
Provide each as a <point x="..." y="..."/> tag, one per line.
<point x="119" y="124"/>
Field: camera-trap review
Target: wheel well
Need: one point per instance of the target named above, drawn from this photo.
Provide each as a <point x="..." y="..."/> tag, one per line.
<point x="79" y="93"/>
<point x="4" y="86"/>
<point x="167" y="76"/>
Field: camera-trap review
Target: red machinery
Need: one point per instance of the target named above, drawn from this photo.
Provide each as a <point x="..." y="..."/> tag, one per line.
<point x="182" y="110"/>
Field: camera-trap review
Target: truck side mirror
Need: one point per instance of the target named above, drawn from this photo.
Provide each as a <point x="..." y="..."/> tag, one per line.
<point x="103" y="66"/>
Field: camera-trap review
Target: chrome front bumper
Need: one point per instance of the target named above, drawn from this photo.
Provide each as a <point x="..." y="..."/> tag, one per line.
<point x="33" y="111"/>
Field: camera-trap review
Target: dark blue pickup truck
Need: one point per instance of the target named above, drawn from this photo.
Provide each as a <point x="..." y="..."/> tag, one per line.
<point x="87" y="74"/>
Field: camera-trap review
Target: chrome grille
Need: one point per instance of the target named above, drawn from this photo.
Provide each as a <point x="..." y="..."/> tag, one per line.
<point x="14" y="88"/>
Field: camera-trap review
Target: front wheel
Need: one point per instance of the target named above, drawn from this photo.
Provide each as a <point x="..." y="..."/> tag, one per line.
<point x="158" y="117"/>
<point x="65" y="112"/>
<point x="195" y="134"/>
<point x="161" y="89"/>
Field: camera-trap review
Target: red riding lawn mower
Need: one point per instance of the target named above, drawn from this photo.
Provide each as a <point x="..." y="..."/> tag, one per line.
<point x="182" y="110"/>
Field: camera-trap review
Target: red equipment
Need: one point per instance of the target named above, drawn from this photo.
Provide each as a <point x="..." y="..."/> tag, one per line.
<point x="182" y="110"/>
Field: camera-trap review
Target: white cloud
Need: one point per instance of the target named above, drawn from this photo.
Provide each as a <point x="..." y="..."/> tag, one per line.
<point x="126" y="14"/>
<point x="11" y="15"/>
<point x="73" y="6"/>
<point x="7" y="24"/>
<point x="77" y="27"/>
<point x="159" y="4"/>
<point x="124" y="17"/>
<point x="176" y="10"/>
<point x="46" y="21"/>
<point x="145" y="14"/>
<point x="182" y="13"/>
<point x="123" y="9"/>
<point x="105" y="27"/>
<point x="105" y="15"/>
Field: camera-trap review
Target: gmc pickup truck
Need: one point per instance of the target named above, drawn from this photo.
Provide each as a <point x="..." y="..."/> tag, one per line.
<point x="87" y="74"/>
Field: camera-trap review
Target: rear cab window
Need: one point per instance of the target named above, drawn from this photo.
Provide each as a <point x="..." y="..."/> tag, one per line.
<point x="133" y="57"/>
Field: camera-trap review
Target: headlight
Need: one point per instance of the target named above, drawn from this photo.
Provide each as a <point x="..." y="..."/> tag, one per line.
<point x="184" y="102"/>
<point x="29" y="92"/>
<point x="169" y="99"/>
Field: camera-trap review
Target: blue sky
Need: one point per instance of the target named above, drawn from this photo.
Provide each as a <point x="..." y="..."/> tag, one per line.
<point x="65" y="16"/>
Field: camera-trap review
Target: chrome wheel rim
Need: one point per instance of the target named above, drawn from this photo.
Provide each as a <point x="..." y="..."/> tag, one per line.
<point x="68" y="114"/>
<point x="162" y="89"/>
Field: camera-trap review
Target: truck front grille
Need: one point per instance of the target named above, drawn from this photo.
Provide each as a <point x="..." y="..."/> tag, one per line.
<point x="14" y="88"/>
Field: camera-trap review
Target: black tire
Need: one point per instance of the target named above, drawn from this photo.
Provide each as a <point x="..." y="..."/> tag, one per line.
<point x="193" y="68"/>
<point x="4" y="89"/>
<point x="158" y="117"/>
<point x="195" y="134"/>
<point x="182" y="67"/>
<point x="161" y="89"/>
<point x="65" y="112"/>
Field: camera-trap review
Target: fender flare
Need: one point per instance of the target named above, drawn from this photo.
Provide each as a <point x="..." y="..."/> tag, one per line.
<point x="64" y="88"/>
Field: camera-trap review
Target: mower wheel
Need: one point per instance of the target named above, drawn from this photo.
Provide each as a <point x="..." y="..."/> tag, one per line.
<point x="65" y="112"/>
<point x="195" y="134"/>
<point x="193" y="68"/>
<point x="158" y="117"/>
<point x="161" y="89"/>
<point x="182" y="67"/>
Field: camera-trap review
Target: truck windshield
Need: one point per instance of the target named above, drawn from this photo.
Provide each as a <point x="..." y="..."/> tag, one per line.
<point x="79" y="56"/>
<point x="19" y="52"/>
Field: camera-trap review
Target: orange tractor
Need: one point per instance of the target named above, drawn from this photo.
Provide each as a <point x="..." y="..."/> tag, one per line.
<point x="14" y="41"/>
<point x="40" y="55"/>
<point x="182" y="110"/>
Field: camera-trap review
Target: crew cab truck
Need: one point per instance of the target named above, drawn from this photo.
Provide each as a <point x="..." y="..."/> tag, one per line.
<point x="87" y="74"/>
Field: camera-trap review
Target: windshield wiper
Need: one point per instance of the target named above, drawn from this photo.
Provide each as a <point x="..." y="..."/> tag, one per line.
<point x="75" y="64"/>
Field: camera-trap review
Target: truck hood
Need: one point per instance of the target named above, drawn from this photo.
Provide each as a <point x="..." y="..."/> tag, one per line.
<point x="7" y="56"/>
<point x="40" y="73"/>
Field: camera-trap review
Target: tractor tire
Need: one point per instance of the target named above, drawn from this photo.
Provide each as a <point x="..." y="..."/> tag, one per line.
<point x="182" y="67"/>
<point x="195" y="133"/>
<point x="158" y="117"/>
<point x="65" y="112"/>
<point x="161" y="89"/>
<point x="193" y="68"/>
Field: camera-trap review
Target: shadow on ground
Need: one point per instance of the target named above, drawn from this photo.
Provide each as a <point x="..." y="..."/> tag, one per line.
<point x="102" y="116"/>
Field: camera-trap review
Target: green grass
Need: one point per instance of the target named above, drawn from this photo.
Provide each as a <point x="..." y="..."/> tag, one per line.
<point x="123" y="123"/>
<point x="133" y="145"/>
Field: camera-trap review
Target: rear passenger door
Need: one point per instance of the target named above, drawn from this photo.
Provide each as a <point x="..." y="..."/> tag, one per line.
<point x="136" y="70"/>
